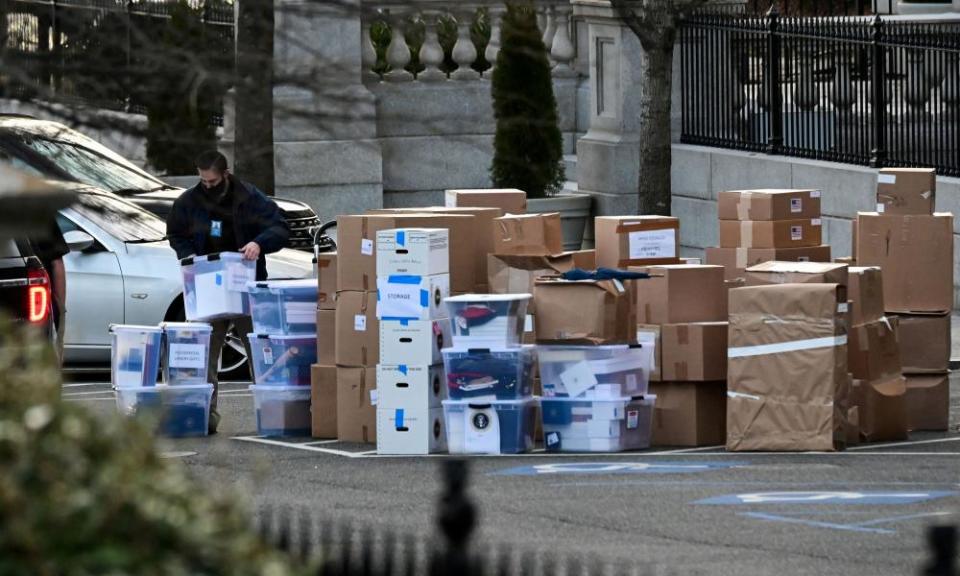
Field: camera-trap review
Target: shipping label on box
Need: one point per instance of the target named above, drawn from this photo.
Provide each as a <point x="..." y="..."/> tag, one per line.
<point x="906" y="191"/>
<point x="401" y="432"/>
<point x="414" y="341"/>
<point x="624" y="241"/>
<point x="412" y="297"/>
<point x="413" y="252"/>
<point x="410" y="386"/>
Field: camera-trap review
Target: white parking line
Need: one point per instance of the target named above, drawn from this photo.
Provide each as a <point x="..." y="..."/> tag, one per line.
<point x="909" y="443"/>
<point x="259" y="440"/>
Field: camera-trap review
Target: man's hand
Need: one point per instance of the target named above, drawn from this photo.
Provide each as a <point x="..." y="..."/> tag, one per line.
<point x="251" y="251"/>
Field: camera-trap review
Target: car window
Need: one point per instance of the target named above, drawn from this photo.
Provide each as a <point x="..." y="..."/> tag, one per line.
<point x="124" y="221"/>
<point x="8" y="248"/>
<point x="66" y="224"/>
<point x="18" y="163"/>
<point x="84" y="165"/>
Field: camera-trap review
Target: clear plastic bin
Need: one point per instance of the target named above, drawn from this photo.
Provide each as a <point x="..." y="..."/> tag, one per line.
<point x="283" y="360"/>
<point x="284" y="306"/>
<point x="605" y="371"/>
<point x="499" y="427"/>
<point x="186" y="352"/>
<point x="489" y="373"/>
<point x="182" y="411"/>
<point x="215" y="285"/>
<point x="487" y="320"/>
<point x="282" y="410"/>
<point x="134" y="355"/>
<point x="603" y="425"/>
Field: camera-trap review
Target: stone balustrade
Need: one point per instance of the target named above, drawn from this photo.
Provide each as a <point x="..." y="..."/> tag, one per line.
<point x="438" y="41"/>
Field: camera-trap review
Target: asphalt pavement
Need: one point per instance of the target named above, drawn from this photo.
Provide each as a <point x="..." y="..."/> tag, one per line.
<point x="704" y="511"/>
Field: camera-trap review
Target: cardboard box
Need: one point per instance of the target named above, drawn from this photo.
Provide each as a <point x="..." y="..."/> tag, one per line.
<point x="327" y="281"/>
<point x="358" y="329"/>
<point x="689" y="413"/>
<point x="356" y="412"/>
<point x="510" y="200"/>
<point x="416" y="388"/>
<point x="516" y="274"/>
<point x="528" y="234"/>
<point x="771" y="233"/>
<point x="414" y="341"/>
<point x="357" y="252"/>
<point x="787" y="380"/>
<point x="413" y="252"/>
<point x="906" y="190"/>
<point x="681" y="293"/>
<point x="649" y="335"/>
<point x="604" y="312"/>
<point x="925" y="343"/>
<point x="737" y="260"/>
<point x="881" y="409"/>
<point x="848" y="260"/>
<point x="584" y="259"/>
<point x="768" y="204"/>
<point x="928" y="402"/>
<point x="323" y="401"/>
<point x="402" y="432"/>
<point x="695" y="352"/>
<point x="482" y="221"/>
<point x="326" y="337"/>
<point x="796" y="273"/>
<point x="412" y="297"/>
<point x="874" y="350"/>
<point x="853" y="240"/>
<point x="865" y="289"/>
<point x="624" y="241"/>
<point x="916" y="255"/>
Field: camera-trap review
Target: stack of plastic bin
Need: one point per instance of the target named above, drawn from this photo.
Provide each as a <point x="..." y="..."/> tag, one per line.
<point x="284" y="345"/>
<point x="412" y="281"/>
<point x="181" y="409"/>
<point x="595" y="397"/>
<point x="491" y="409"/>
<point x="215" y="285"/>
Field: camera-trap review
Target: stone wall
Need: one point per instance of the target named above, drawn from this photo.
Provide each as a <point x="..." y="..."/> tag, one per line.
<point x="699" y="173"/>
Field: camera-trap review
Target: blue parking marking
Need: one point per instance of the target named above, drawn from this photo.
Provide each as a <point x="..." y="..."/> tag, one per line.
<point x="581" y="468"/>
<point x="828" y="497"/>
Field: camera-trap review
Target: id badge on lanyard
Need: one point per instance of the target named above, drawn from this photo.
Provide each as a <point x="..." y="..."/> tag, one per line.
<point x="216" y="228"/>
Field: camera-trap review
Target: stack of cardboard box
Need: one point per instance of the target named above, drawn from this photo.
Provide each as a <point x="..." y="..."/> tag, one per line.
<point x="682" y="313"/>
<point x="787" y="375"/>
<point x="413" y="281"/>
<point x="761" y="225"/>
<point x="323" y="374"/>
<point x="914" y="247"/>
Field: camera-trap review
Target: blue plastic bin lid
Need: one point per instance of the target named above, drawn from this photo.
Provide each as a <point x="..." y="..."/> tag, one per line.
<point x="134" y="328"/>
<point x="194" y="326"/>
<point x="280" y="286"/>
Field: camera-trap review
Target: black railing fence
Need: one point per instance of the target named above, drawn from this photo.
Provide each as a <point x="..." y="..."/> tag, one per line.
<point x="849" y="89"/>
<point x="109" y="54"/>
<point x="342" y="548"/>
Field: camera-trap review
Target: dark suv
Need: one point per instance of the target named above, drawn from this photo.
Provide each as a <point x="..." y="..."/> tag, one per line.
<point x="24" y="285"/>
<point x="54" y="151"/>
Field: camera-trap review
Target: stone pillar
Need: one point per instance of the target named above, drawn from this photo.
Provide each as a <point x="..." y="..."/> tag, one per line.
<point x="608" y="155"/>
<point x="325" y="128"/>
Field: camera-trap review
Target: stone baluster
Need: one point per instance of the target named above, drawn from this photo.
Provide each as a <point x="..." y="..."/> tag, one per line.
<point x="550" y="30"/>
<point x="398" y="53"/>
<point x="493" y="47"/>
<point x="843" y="95"/>
<point x="562" y="50"/>
<point x="368" y="53"/>
<point x="806" y="92"/>
<point x="916" y="87"/>
<point x="464" y="52"/>
<point x="950" y="90"/>
<point x="431" y="52"/>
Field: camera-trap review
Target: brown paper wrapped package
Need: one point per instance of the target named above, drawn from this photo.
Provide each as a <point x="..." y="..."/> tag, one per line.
<point x="787" y="368"/>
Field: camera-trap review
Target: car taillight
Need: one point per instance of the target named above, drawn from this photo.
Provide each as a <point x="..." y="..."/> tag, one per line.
<point x="38" y="296"/>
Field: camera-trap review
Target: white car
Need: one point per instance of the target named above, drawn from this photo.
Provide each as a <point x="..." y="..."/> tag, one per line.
<point x="121" y="271"/>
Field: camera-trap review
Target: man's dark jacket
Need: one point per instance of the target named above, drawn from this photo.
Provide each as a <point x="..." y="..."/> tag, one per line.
<point x="256" y="218"/>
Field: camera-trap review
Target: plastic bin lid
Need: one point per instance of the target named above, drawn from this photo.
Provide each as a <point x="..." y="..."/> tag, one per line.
<point x="646" y="399"/>
<point x="577" y="347"/>
<point x="166" y="387"/>
<point x="467" y="298"/>
<point x="212" y="257"/>
<point x="302" y="284"/>
<point x="498" y="349"/>
<point x="196" y="326"/>
<point x="482" y="402"/>
<point x="254" y="336"/>
<point x="134" y="328"/>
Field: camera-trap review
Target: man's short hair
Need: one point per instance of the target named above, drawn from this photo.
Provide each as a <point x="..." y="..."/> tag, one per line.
<point x="211" y="159"/>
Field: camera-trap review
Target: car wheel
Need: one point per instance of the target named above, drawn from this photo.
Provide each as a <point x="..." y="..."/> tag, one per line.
<point x="233" y="364"/>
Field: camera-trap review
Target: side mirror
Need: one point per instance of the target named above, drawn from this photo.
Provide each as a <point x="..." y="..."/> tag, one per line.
<point x="78" y="241"/>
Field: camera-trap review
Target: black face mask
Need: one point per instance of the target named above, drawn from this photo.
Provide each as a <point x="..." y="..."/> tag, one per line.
<point x="216" y="192"/>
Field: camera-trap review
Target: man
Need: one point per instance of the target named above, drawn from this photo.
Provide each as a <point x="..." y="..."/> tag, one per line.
<point x="224" y="214"/>
<point x="50" y="249"/>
